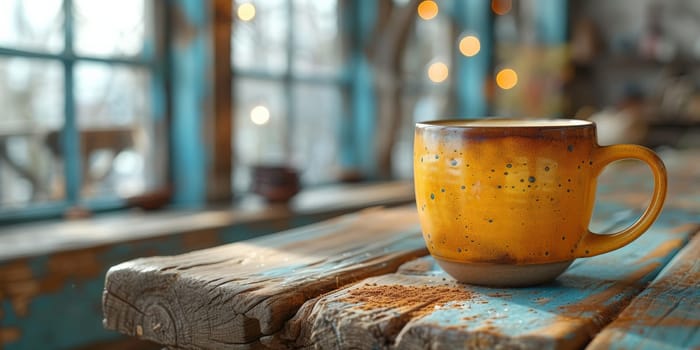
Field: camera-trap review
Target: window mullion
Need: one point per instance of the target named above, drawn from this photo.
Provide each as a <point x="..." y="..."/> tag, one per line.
<point x="288" y="94"/>
<point x="69" y="135"/>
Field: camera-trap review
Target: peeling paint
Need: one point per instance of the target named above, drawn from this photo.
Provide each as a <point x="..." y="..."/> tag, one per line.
<point x="38" y="294"/>
<point x="8" y="335"/>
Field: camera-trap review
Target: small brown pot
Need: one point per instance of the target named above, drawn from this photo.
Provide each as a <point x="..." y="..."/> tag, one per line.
<point x="275" y="183"/>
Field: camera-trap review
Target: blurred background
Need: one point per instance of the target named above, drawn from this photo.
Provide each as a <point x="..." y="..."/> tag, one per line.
<point x="184" y="104"/>
<point x="109" y="100"/>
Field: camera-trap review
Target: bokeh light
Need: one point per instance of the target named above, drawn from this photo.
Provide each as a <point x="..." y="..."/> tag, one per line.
<point x="506" y="79"/>
<point x="260" y="115"/>
<point x="469" y="45"/>
<point x="438" y="72"/>
<point x="501" y="7"/>
<point x="427" y="9"/>
<point x="246" y="12"/>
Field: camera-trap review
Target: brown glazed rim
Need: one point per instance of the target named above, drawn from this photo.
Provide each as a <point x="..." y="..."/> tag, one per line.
<point x="551" y="124"/>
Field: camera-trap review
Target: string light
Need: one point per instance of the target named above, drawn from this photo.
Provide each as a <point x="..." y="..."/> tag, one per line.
<point x="246" y="12"/>
<point x="428" y="9"/>
<point x="506" y="79"/>
<point x="438" y="72"/>
<point x="260" y="115"/>
<point x="501" y="7"/>
<point x="469" y="45"/>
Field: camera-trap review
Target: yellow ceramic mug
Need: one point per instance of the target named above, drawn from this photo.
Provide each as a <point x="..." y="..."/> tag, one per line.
<point x="508" y="202"/>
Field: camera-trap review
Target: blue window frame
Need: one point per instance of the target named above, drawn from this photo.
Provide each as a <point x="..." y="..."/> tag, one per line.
<point x="285" y="54"/>
<point x="84" y="109"/>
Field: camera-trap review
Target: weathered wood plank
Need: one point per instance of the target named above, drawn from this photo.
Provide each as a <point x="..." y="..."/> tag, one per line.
<point x="563" y="314"/>
<point x="72" y="276"/>
<point x="665" y="315"/>
<point x="232" y="294"/>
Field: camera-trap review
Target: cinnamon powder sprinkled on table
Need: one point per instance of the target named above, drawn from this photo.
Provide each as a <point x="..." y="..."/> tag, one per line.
<point x="416" y="301"/>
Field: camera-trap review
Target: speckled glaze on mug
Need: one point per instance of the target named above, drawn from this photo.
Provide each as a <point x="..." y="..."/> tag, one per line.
<point x="508" y="202"/>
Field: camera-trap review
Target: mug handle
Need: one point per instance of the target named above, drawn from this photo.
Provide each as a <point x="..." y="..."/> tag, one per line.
<point x="593" y="243"/>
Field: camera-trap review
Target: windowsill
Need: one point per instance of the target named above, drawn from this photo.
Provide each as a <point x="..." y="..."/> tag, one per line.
<point x="34" y="239"/>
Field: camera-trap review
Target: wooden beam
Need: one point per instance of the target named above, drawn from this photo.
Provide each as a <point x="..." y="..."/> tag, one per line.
<point x="666" y="314"/>
<point x="219" y="187"/>
<point x="234" y="294"/>
<point x="190" y="59"/>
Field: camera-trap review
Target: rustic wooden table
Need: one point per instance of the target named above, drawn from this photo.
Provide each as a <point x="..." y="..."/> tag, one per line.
<point x="365" y="281"/>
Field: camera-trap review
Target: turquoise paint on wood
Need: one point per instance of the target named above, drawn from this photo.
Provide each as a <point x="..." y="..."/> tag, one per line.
<point x="359" y="132"/>
<point x="71" y="316"/>
<point x="365" y="115"/>
<point x="190" y="56"/>
<point x="157" y="91"/>
<point x="38" y="211"/>
<point x="473" y="17"/>
<point x="70" y="136"/>
<point x="137" y="61"/>
<point x="666" y="315"/>
<point x="65" y="319"/>
<point x="551" y="21"/>
<point x="563" y="314"/>
<point x="590" y="288"/>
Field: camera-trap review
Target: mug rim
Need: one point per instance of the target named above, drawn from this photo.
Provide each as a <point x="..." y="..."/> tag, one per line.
<point x="539" y="123"/>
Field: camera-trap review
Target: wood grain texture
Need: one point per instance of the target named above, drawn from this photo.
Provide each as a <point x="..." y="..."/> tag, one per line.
<point x="666" y="315"/>
<point x="561" y="315"/>
<point x="231" y="295"/>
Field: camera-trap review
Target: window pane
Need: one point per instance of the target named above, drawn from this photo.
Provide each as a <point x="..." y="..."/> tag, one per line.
<point x="123" y="149"/>
<point x="260" y="42"/>
<point x="111" y="28"/>
<point x="318" y="47"/>
<point x="31" y="92"/>
<point x="318" y="112"/>
<point x="31" y="96"/>
<point x="109" y="95"/>
<point x="260" y="127"/>
<point x="32" y="24"/>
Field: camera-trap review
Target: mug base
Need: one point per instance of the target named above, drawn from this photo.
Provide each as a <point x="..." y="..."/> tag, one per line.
<point x="502" y="275"/>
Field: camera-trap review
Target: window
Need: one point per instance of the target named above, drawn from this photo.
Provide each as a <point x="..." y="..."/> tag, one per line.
<point x="83" y="104"/>
<point x="290" y="86"/>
